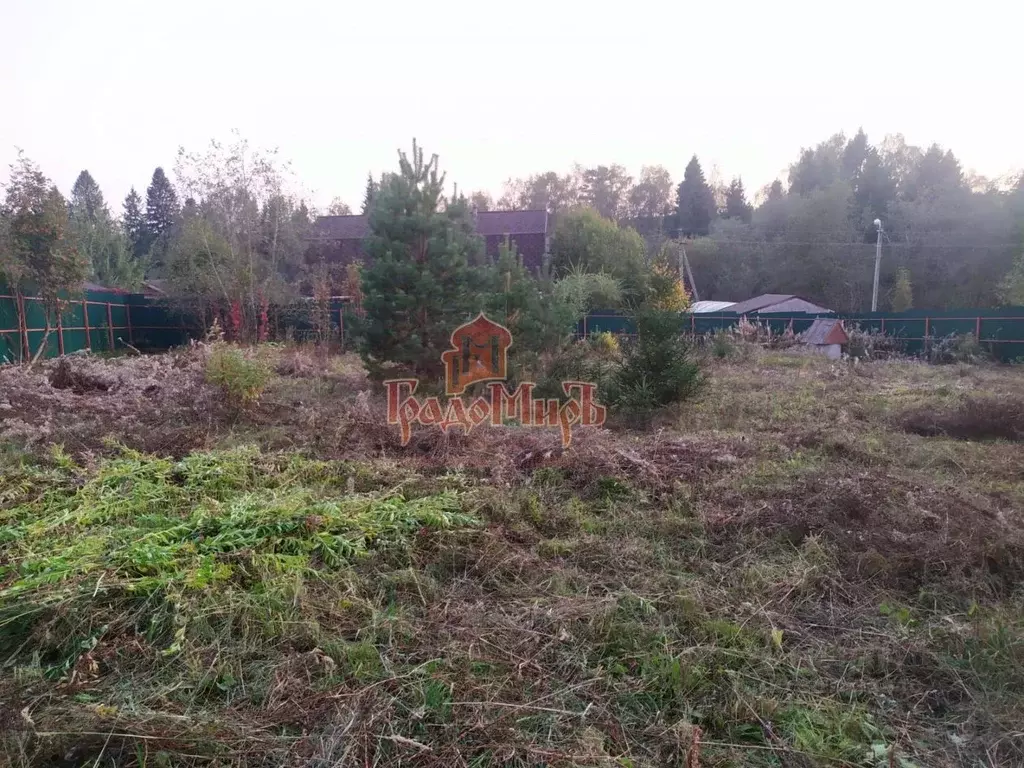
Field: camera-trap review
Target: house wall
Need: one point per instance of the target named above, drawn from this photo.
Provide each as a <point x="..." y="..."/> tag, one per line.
<point x="831" y="351"/>
<point x="530" y="246"/>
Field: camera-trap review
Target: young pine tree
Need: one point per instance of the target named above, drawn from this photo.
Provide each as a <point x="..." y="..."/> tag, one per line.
<point x="658" y="369"/>
<point x="901" y="297"/>
<point x="421" y="282"/>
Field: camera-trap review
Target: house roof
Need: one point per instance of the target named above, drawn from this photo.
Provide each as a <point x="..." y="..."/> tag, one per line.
<point x="760" y="302"/>
<point x="825" y="331"/>
<point x="511" y="222"/>
<point x="487" y="223"/>
<point x="341" y="227"/>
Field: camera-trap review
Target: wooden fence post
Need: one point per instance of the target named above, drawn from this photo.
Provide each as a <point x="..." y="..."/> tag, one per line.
<point x="128" y="314"/>
<point x="60" y="331"/>
<point x="110" y="327"/>
<point x="85" y="322"/>
<point x="977" y="328"/>
<point x="26" y="352"/>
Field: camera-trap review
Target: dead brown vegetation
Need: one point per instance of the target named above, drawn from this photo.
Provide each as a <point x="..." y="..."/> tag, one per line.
<point x="784" y="573"/>
<point x="975" y="418"/>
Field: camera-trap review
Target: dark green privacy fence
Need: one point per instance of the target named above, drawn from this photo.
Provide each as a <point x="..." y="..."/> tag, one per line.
<point x="999" y="330"/>
<point x="101" y="321"/>
<point x="105" y="321"/>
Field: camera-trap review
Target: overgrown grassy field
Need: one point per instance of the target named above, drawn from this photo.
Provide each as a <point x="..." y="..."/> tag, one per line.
<point x="815" y="564"/>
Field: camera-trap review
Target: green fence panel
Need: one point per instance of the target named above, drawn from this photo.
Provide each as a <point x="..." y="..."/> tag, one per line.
<point x="1000" y="330"/>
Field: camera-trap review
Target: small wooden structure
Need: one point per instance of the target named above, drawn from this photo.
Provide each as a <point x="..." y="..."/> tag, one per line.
<point x="826" y="336"/>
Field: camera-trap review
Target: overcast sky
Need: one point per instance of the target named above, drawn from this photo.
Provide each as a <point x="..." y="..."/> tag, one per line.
<point x="500" y="89"/>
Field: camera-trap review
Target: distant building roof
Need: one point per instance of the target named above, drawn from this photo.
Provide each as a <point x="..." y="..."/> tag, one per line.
<point x="702" y="307"/>
<point x="825" y="330"/>
<point x="777" y="302"/>
<point x="154" y="286"/>
<point x="760" y="302"/>
<point x="488" y="223"/>
<point x="101" y="288"/>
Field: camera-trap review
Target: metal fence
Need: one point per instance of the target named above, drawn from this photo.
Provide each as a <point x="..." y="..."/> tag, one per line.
<point x="105" y="321"/>
<point x="999" y="330"/>
<point x="100" y="321"/>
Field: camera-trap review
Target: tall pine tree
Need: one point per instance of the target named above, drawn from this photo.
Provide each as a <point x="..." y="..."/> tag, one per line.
<point x="695" y="202"/>
<point x="372" y="189"/>
<point x="419" y="285"/>
<point x="162" y="213"/>
<point x="134" y="223"/>
<point x="161" y="205"/>
<point x="87" y="200"/>
<point x="736" y="205"/>
<point x="99" y="239"/>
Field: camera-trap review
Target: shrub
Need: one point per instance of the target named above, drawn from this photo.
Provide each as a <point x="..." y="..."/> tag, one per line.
<point x="242" y="379"/>
<point x="869" y="344"/>
<point x="955" y="348"/>
<point x="723" y="346"/>
<point x="605" y="345"/>
<point x="578" y="361"/>
<point x="658" y="369"/>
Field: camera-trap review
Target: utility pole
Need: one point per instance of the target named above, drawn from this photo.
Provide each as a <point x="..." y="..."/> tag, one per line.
<point x="686" y="263"/>
<point x="878" y="264"/>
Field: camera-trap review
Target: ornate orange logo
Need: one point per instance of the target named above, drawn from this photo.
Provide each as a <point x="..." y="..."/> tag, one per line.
<point x="479" y="353"/>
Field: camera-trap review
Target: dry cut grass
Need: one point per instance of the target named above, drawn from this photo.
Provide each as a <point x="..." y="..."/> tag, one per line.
<point x="784" y="573"/>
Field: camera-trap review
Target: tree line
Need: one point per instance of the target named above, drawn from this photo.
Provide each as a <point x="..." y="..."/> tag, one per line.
<point x="231" y="230"/>
<point x="949" y="238"/>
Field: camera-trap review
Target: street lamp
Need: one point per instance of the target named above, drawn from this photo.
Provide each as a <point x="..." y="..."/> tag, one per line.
<point x="878" y="264"/>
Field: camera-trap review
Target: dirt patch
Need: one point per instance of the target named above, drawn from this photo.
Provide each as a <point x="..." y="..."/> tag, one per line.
<point x="976" y="418"/>
<point x="157" y="403"/>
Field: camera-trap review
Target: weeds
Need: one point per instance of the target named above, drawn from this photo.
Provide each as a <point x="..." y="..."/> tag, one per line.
<point x="241" y="378"/>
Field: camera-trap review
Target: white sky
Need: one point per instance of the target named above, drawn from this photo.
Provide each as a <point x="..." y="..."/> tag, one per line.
<point x="500" y="89"/>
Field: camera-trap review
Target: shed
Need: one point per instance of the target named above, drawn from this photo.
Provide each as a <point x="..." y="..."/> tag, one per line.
<point x="826" y="336"/>
<point x="777" y="302"/>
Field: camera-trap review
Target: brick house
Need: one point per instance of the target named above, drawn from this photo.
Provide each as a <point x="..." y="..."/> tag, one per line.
<point x="340" y="238"/>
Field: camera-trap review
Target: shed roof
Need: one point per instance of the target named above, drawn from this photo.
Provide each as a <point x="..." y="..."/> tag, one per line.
<point x="700" y="307"/>
<point x="777" y="302"/>
<point x="487" y="223"/>
<point x="825" y="330"/>
<point x="760" y="302"/>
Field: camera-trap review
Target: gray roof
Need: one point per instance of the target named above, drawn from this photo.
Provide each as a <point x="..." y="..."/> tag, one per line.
<point x="487" y="223"/>
<point x="760" y="302"/>
<point x="820" y="329"/>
